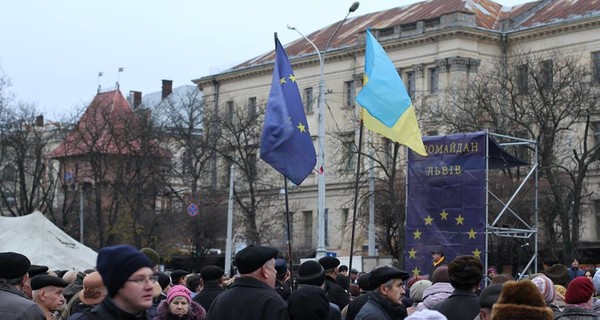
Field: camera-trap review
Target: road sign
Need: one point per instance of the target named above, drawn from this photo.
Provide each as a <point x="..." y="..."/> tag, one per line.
<point x="192" y="209"/>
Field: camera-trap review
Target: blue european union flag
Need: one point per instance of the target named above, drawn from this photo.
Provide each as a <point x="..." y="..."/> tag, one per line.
<point x="286" y="143"/>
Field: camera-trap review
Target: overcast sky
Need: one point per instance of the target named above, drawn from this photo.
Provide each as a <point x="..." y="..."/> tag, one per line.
<point x="52" y="51"/>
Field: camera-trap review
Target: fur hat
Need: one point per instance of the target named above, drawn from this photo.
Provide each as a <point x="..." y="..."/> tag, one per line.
<point x="521" y="300"/>
<point x="580" y="290"/>
<point x="545" y="286"/>
<point x="117" y="263"/>
<point x="178" y="291"/>
<point x="465" y="272"/>
<point x="416" y="290"/>
<point x="440" y="274"/>
<point x="558" y="273"/>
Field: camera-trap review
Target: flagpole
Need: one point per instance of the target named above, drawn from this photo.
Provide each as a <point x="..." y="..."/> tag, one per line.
<point x="229" y="240"/>
<point x="360" y="134"/>
<point x="289" y="235"/>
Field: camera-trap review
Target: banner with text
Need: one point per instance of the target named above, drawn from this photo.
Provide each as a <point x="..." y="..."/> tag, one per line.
<point x="445" y="200"/>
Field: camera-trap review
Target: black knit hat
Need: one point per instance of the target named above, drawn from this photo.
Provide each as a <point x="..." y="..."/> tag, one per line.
<point x="176" y="275"/>
<point x="163" y="279"/>
<point x="117" y="263"/>
<point x="13" y="265"/>
<point x="311" y="272"/>
<point x="490" y="295"/>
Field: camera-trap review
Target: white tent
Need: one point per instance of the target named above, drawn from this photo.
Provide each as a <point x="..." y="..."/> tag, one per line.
<point x="44" y="243"/>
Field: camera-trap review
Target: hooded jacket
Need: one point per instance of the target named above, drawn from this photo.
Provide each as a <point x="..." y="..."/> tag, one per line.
<point x="435" y="294"/>
<point x="195" y="312"/>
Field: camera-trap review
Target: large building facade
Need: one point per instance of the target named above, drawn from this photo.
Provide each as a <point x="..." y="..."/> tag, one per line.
<point x="435" y="45"/>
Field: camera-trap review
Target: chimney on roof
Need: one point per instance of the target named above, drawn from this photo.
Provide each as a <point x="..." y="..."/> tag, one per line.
<point x="39" y="121"/>
<point x="137" y="98"/>
<point x="167" y="88"/>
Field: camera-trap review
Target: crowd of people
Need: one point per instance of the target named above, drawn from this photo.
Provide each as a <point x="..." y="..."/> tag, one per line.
<point x="126" y="284"/>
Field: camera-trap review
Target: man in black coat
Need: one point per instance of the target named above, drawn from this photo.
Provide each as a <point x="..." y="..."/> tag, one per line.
<point x="252" y="295"/>
<point x="13" y="302"/>
<point x="335" y="292"/>
<point x="212" y="276"/>
<point x="465" y="274"/>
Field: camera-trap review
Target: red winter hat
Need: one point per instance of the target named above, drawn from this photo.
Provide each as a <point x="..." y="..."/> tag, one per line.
<point x="178" y="291"/>
<point x="580" y="290"/>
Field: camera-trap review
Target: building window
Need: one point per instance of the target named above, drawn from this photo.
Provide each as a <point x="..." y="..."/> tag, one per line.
<point x="349" y="88"/>
<point x="345" y="214"/>
<point x="410" y="84"/>
<point x="252" y="107"/>
<point x="252" y="165"/>
<point x="597" y="214"/>
<point x="308" y="100"/>
<point x="522" y="79"/>
<point x="596" y="67"/>
<point x="434" y="80"/>
<point x="307" y="223"/>
<point x="546" y="74"/>
<point x="349" y="152"/>
<point x="230" y="111"/>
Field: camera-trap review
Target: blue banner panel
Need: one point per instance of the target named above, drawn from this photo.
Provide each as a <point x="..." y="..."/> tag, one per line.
<point x="445" y="200"/>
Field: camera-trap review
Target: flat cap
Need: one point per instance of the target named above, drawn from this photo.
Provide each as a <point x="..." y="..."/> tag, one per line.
<point x="384" y="274"/>
<point x="13" y="265"/>
<point x="211" y="273"/>
<point x="35" y="270"/>
<point x="490" y="295"/>
<point x="253" y="257"/>
<point x="178" y="274"/>
<point x="329" y="263"/>
<point x="45" y="280"/>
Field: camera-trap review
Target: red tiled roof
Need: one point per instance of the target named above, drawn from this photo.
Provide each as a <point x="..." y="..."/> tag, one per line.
<point x="107" y="126"/>
<point x="488" y="16"/>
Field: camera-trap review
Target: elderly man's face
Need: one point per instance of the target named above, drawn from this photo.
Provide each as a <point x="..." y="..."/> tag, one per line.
<point x="394" y="293"/>
<point x="53" y="298"/>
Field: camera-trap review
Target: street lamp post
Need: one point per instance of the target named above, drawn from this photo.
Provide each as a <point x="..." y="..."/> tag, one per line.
<point x="321" y="251"/>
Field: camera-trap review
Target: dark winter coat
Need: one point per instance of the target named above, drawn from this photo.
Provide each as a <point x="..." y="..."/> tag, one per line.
<point x="335" y="293"/>
<point x="461" y="304"/>
<point x="107" y="310"/>
<point x="209" y="293"/>
<point x="248" y="299"/>
<point x="379" y="308"/>
<point x="195" y="312"/>
<point x="577" y="313"/>
<point x="15" y="305"/>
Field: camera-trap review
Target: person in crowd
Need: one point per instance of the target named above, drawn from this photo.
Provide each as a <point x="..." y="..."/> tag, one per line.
<point x="178" y="277"/>
<point x="47" y="293"/>
<point x="342" y="277"/>
<point x="212" y="276"/>
<point x="335" y="292"/>
<point x="153" y="256"/>
<point x="590" y="272"/>
<point x="416" y="291"/>
<point x="574" y="271"/>
<point x="353" y="276"/>
<point x="487" y="299"/>
<point x="310" y="301"/>
<point x="92" y="294"/>
<point x="282" y="285"/>
<point x="180" y="306"/>
<point x="385" y="302"/>
<point x="426" y="314"/>
<point x="465" y="272"/>
<point x="352" y="309"/>
<point x="252" y="295"/>
<point x="129" y="280"/>
<point x="437" y="260"/>
<point x="33" y="271"/>
<point x="14" y="304"/>
<point x="546" y="288"/>
<point x="520" y="300"/>
<point x="439" y="291"/>
<point x="579" y="300"/>
<point x="559" y="298"/>
<point x="194" y="283"/>
<point x="161" y="287"/>
<point x="558" y="273"/>
<point x="491" y="273"/>
<point x="76" y="285"/>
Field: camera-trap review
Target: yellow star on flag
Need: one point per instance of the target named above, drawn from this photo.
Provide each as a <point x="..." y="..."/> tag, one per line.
<point x="416" y="271"/>
<point x="417" y="234"/>
<point x="282" y="81"/>
<point x="412" y="253"/>
<point x="459" y="219"/>
<point x="292" y="77"/>
<point x="301" y="127"/>
<point x="472" y="234"/>
<point x="428" y="220"/>
<point x="444" y="214"/>
<point x="476" y="253"/>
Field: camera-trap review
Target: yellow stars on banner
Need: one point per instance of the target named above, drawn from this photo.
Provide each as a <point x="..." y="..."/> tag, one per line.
<point x="444" y="215"/>
<point x="416" y="271"/>
<point x="417" y="234"/>
<point x="476" y="253"/>
<point x="472" y="234"/>
<point x="301" y="127"/>
<point x="291" y="77"/>
<point x="412" y="254"/>
<point x="428" y="220"/>
<point x="459" y="219"/>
